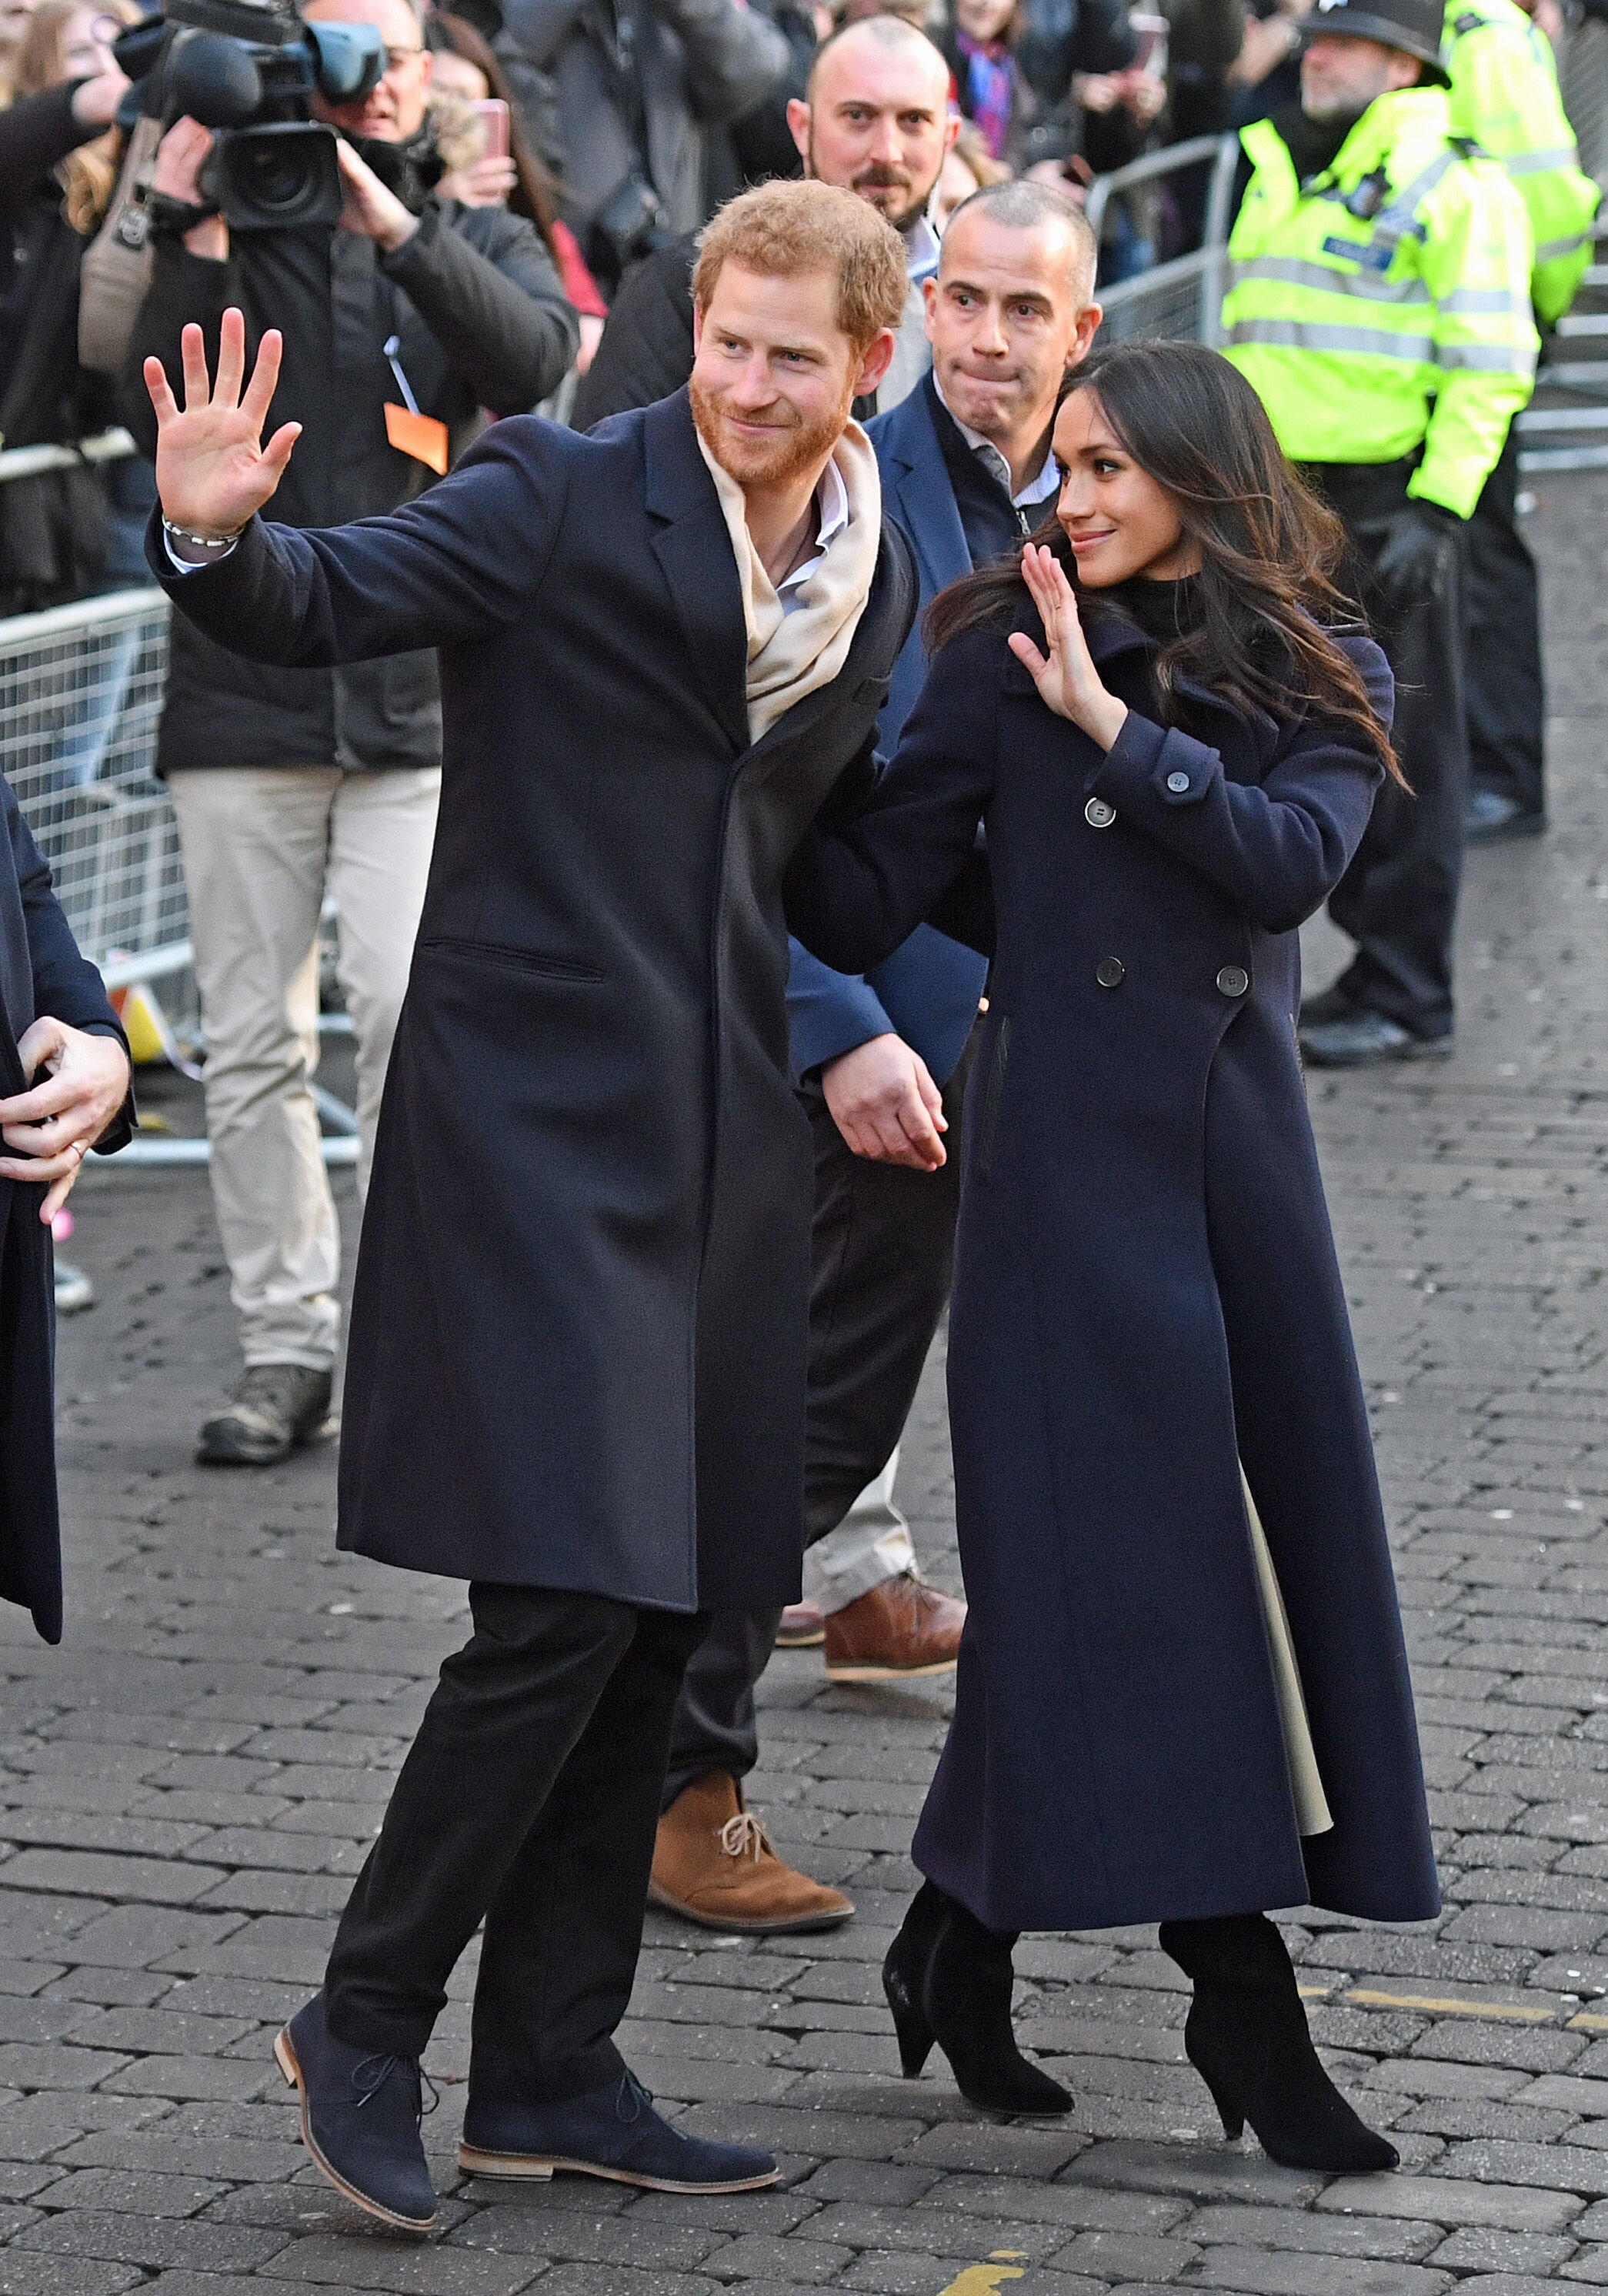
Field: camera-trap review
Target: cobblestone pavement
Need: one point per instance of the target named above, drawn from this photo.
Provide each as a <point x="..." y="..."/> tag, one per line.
<point x="188" y="1785"/>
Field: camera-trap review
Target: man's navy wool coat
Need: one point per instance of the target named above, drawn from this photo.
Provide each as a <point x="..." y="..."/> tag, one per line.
<point x="578" y="1331"/>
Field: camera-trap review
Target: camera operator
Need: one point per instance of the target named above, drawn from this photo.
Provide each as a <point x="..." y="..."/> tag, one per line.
<point x="289" y="782"/>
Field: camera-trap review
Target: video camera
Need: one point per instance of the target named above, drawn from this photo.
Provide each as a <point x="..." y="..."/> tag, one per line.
<point x="249" y="69"/>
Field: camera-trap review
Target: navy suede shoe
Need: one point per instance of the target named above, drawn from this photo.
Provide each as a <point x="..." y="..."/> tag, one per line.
<point x="360" y="2113"/>
<point x="610" y="2132"/>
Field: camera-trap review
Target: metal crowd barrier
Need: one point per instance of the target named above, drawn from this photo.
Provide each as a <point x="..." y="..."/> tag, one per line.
<point x="80" y="698"/>
<point x="1183" y="297"/>
<point x="80" y="695"/>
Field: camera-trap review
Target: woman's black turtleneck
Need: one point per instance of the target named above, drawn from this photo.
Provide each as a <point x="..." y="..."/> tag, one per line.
<point x="1162" y="610"/>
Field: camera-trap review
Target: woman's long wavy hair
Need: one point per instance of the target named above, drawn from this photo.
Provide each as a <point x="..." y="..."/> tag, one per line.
<point x="1269" y="549"/>
<point x="87" y="175"/>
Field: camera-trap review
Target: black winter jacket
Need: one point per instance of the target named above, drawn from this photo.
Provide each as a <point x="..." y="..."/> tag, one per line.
<point x="41" y="972"/>
<point x="646" y="351"/>
<point x="696" y="65"/>
<point x="483" y="322"/>
<point x="52" y="527"/>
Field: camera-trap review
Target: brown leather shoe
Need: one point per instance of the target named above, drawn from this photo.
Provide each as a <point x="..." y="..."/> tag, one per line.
<point x="803" y="1628"/>
<point x="713" y="1863"/>
<point x="902" y="1628"/>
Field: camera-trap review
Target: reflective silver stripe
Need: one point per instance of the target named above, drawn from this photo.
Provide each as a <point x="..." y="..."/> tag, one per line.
<point x="1290" y="271"/>
<point x="1542" y="163"/>
<point x="1471" y="301"/>
<point x="1486" y="358"/>
<point x="1303" y="335"/>
<point x="1550" y="250"/>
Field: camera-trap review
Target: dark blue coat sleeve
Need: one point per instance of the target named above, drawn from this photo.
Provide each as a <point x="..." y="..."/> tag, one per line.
<point x="62" y="985"/>
<point x="853" y="894"/>
<point x="828" y="1012"/>
<point x="456" y="565"/>
<point x="1274" y="848"/>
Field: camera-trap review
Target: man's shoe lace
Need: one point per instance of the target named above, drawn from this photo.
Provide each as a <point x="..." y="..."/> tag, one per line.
<point x="370" y="2075"/>
<point x="744" y="1834"/>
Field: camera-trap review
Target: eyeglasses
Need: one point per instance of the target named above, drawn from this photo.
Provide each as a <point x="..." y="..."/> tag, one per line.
<point x="398" y="59"/>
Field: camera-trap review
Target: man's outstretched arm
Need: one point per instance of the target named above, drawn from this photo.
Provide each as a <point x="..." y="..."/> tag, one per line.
<point x="457" y="564"/>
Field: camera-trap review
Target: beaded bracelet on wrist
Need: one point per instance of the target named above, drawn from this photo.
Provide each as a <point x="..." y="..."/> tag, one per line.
<point x="201" y="541"/>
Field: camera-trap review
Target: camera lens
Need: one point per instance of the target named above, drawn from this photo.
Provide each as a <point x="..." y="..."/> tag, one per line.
<point x="273" y="175"/>
<point x="279" y="175"/>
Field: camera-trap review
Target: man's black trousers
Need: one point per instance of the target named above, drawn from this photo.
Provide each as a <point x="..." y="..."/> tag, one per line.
<point x="882" y="1245"/>
<point x="1506" y="697"/>
<point x="528" y="1799"/>
<point x="1399" y="898"/>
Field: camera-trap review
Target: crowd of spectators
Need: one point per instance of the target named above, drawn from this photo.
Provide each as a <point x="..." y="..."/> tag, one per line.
<point x="628" y="121"/>
<point x="523" y="191"/>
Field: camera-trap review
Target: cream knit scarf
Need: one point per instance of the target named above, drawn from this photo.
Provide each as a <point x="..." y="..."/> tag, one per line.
<point x="790" y="655"/>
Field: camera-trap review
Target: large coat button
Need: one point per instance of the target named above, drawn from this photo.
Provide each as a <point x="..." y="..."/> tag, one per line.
<point x="1098" y="814"/>
<point x="1178" y="784"/>
<point x="1108" y="971"/>
<point x="1234" y="980"/>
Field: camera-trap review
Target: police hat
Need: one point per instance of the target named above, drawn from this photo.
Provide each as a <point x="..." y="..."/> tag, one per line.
<point x="1414" y="26"/>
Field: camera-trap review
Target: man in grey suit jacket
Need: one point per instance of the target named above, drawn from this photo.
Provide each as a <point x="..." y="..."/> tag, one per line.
<point x="967" y="473"/>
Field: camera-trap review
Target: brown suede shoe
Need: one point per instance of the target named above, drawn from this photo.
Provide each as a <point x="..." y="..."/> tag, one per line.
<point x="713" y="1863"/>
<point x="902" y="1628"/>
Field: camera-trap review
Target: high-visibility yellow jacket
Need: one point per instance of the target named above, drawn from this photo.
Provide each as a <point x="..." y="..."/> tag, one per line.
<point x="1505" y="96"/>
<point x="1383" y="306"/>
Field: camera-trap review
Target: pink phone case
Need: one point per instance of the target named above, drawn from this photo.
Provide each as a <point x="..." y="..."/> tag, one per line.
<point x="493" y="111"/>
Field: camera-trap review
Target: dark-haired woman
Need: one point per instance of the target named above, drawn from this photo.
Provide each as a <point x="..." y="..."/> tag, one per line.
<point x="1183" y="1695"/>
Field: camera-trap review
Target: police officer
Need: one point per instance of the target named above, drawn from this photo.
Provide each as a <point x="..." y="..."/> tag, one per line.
<point x="1505" y="96"/>
<point x="1378" y="300"/>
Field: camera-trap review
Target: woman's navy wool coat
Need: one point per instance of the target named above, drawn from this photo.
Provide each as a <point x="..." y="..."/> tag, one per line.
<point x="1145" y="1294"/>
<point x="41" y="972"/>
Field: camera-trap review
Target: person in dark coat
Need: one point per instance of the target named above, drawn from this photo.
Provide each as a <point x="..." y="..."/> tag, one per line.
<point x="1183" y="1695"/>
<point x="54" y="1017"/>
<point x="577" y="1365"/>
<point x="58" y="167"/>
<point x="634" y="91"/>
<point x="293" y="788"/>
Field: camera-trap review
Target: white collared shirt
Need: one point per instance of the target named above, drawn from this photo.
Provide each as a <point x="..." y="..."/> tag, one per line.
<point x="921" y="248"/>
<point x="1036" y="490"/>
<point x="831" y="511"/>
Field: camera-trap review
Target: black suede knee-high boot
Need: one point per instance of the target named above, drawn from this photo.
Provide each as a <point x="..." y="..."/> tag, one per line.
<point x="1247" y="2037"/>
<point x="947" y="1979"/>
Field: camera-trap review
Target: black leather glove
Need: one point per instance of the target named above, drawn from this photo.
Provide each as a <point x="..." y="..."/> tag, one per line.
<point x="1419" y="554"/>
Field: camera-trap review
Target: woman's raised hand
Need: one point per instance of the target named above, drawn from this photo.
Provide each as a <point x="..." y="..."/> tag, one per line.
<point x="1067" y="679"/>
<point x="212" y="470"/>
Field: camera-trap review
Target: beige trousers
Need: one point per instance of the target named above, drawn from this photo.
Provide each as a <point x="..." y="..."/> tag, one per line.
<point x="262" y="845"/>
